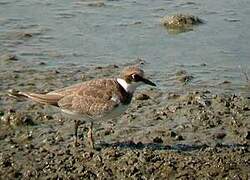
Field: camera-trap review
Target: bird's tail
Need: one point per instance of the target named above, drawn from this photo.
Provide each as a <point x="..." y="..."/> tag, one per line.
<point x="51" y="99"/>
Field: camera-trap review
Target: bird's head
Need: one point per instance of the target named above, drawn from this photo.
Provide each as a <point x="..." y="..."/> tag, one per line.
<point x="132" y="77"/>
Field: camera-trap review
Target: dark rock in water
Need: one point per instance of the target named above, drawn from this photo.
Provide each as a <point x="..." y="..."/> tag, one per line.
<point x="183" y="76"/>
<point x="181" y="72"/>
<point x="180" y="21"/>
<point x="42" y="63"/>
<point x="226" y="82"/>
<point x="96" y="4"/>
<point x="19" y="35"/>
<point x="157" y="140"/>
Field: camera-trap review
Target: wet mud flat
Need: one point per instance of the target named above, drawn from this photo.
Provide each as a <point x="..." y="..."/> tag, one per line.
<point x="193" y="134"/>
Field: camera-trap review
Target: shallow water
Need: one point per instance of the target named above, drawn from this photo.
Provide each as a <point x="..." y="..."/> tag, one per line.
<point x="65" y="32"/>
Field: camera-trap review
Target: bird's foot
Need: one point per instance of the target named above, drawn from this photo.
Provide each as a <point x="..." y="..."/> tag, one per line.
<point x="90" y="136"/>
<point x="77" y="122"/>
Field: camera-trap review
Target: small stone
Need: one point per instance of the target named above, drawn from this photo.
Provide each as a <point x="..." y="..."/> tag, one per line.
<point x="247" y="135"/>
<point x="226" y="82"/>
<point x="142" y="97"/>
<point x="27" y="120"/>
<point x="172" y="134"/>
<point x="47" y="117"/>
<point x="42" y="63"/>
<point x="96" y="4"/>
<point x="88" y="155"/>
<point x="219" y="135"/>
<point x="58" y="138"/>
<point x="185" y="78"/>
<point x="5" y="160"/>
<point x="108" y="131"/>
<point x="245" y="108"/>
<point x="179" y="138"/>
<point x="1" y="113"/>
<point x="27" y="35"/>
<point x="157" y="140"/>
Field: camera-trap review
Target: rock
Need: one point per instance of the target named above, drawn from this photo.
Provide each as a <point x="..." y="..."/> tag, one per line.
<point x="247" y="135"/>
<point x="219" y="135"/>
<point x="226" y="82"/>
<point x="172" y="134"/>
<point x="142" y="97"/>
<point x="245" y="108"/>
<point x="41" y="63"/>
<point x="27" y="120"/>
<point x="179" y="138"/>
<point x="183" y="76"/>
<point x="5" y="160"/>
<point x="157" y="140"/>
<point x="202" y="100"/>
<point x="180" y="21"/>
<point x="96" y="4"/>
<point x="108" y="131"/>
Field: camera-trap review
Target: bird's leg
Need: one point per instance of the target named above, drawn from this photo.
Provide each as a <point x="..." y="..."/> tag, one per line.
<point x="77" y="122"/>
<point x="90" y="135"/>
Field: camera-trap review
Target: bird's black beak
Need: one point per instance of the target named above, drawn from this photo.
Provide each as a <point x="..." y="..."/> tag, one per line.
<point x="146" y="81"/>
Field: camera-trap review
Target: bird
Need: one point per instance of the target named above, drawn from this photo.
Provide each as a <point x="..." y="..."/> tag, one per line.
<point x="97" y="99"/>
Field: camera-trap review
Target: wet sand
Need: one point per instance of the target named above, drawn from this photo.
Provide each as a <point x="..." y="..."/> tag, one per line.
<point x="195" y="133"/>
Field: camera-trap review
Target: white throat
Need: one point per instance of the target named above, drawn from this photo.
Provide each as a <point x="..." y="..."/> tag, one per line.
<point x="130" y="88"/>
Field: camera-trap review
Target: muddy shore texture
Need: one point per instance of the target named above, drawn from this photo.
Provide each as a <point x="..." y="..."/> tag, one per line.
<point x="194" y="134"/>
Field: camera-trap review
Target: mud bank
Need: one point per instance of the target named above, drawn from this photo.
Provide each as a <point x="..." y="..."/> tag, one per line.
<point x="194" y="134"/>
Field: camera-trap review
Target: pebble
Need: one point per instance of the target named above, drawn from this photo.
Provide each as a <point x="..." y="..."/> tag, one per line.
<point x="142" y="97"/>
<point x="219" y="135"/>
<point x="96" y="4"/>
<point x="157" y="140"/>
<point x="247" y="136"/>
<point x="179" y="138"/>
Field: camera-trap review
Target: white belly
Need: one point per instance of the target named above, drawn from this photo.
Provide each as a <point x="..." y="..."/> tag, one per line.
<point x="116" y="112"/>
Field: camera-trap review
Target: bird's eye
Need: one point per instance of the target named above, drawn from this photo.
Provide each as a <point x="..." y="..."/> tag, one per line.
<point x="135" y="77"/>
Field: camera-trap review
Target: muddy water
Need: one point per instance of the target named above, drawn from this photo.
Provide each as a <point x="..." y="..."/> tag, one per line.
<point x="103" y="32"/>
<point x="195" y="124"/>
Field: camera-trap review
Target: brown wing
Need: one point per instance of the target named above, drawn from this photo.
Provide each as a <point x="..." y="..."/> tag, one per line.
<point x="91" y="98"/>
<point x="86" y="105"/>
<point x="94" y="88"/>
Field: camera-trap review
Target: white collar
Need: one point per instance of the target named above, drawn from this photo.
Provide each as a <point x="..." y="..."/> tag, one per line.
<point x="130" y="88"/>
